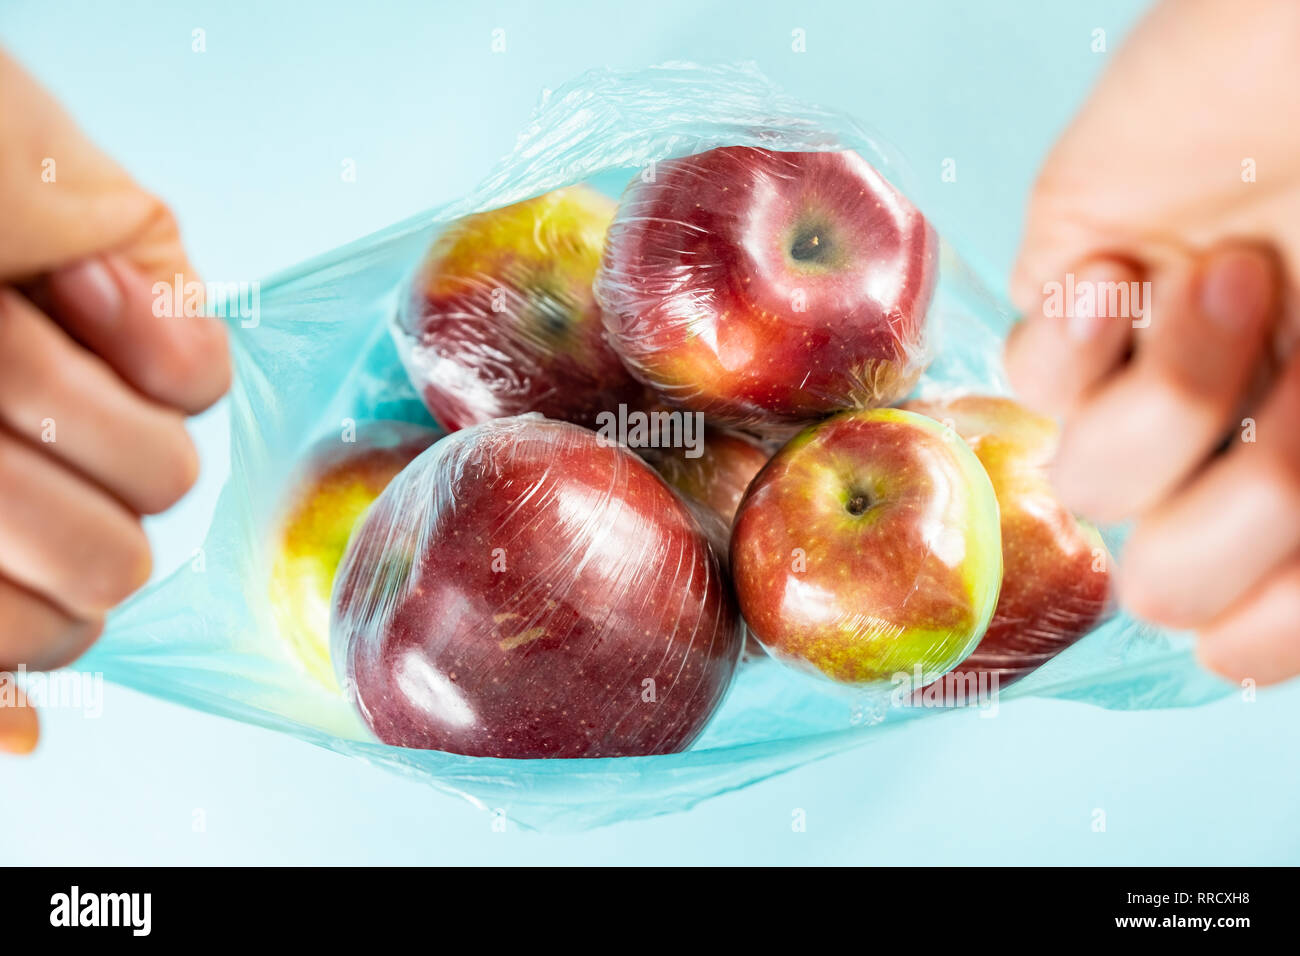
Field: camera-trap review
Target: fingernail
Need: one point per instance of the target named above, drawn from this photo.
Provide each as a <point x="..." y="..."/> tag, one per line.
<point x="19" y="742"/>
<point x="91" y="287"/>
<point x="19" y="726"/>
<point x="1237" y="288"/>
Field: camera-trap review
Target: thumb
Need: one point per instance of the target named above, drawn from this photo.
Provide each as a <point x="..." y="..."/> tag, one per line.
<point x="64" y="200"/>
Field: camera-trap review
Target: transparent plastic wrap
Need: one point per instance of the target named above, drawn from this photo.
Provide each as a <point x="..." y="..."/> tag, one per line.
<point x="336" y="482"/>
<point x="769" y="288"/>
<point x="501" y="319"/>
<point x="869" y="547"/>
<point x="717" y="473"/>
<point x="323" y="358"/>
<point x="524" y="589"/>
<point x="1056" y="567"/>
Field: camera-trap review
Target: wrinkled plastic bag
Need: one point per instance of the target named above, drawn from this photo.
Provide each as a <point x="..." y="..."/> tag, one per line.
<point x="322" y="354"/>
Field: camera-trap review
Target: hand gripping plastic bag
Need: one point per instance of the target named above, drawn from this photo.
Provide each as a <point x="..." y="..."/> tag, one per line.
<point x="322" y="358"/>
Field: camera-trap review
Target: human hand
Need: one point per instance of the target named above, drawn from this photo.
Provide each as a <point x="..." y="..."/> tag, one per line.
<point x="1181" y="411"/>
<point x="94" y="388"/>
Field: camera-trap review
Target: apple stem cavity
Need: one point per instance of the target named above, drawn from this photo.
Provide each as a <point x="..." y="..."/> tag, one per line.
<point x="859" y="504"/>
<point x="808" y="247"/>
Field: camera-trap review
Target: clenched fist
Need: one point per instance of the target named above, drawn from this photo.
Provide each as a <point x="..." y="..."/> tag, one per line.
<point x="94" y="387"/>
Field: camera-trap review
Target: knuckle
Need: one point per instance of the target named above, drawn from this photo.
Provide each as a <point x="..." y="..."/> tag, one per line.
<point x="160" y="222"/>
<point x="1286" y="593"/>
<point x="210" y="371"/>
<point x="1201" y="393"/>
<point x="29" y="369"/>
<point x="1024" y="374"/>
<point x="1269" y="476"/>
<point x="174" y="468"/>
<point x="169" y="373"/>
<point x="1278" y="478"/>
<point x="121" y="570"/>
<point x="194" y="372"/>
<point x="15" y="461"/>
<point x="1289" y="591"/>
<point x="63" y="378"/>
<point x="219" y="359"/>
<point x="73" y="640"/>
<point x="1211" y="655"/>
<point x="8" y="463"/>
<point x="1143" y="584"/>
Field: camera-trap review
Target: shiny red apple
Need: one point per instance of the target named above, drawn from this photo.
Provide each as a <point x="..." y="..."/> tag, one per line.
<point x="526" y="590"/>
<point x="1056" y="577"/>
<point x="768" y="288"/>
<point x="869" y="547"/>
<point x="501" y="319"/>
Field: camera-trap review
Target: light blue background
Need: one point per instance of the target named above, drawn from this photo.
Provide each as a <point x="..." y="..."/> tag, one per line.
<point x="247" y="142"/>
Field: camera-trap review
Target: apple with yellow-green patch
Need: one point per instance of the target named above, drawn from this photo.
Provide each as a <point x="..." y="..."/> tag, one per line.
<point x="869" y="546"/>
<point x="336" y="482"/>
<point x="501" y="319"/>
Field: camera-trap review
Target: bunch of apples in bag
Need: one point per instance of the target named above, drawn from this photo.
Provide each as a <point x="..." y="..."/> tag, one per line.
<point x="673" y="422"/>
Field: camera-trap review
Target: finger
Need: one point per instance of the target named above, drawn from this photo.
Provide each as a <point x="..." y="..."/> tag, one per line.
<point x="38" y="635"/>
<point x="1077" y="332"/>
<point x="1146" y="429"/>
<point x="1257" y="638"/>
<point x="19" y="726"/>
<point x="62" y="537"/>
<point x="66" y="401"/>
<point x="1193" y="557"/>
<point x="65" y="200"/>
<point x="177" y="359"/>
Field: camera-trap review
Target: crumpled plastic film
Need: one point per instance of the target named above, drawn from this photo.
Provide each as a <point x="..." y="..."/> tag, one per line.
<point x="322" y="353"/>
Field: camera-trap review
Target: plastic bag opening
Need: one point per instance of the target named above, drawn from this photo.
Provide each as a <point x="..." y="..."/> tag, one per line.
<point x="321" y="358"/>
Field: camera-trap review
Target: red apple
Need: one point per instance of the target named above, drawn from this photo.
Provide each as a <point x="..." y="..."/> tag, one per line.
<point x="501" y="319"/>
<point x="526" y="590"/>
<point x="868" y="547"/>
<point x="768" y="288"/>
<point x="337" y="481"/>
<point x="717" y="473"/>
<point x="714" y="481"/>
<point x="1056" y="569"/>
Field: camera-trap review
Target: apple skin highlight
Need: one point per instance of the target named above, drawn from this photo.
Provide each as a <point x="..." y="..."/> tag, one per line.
<point x="869" y="546"/>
